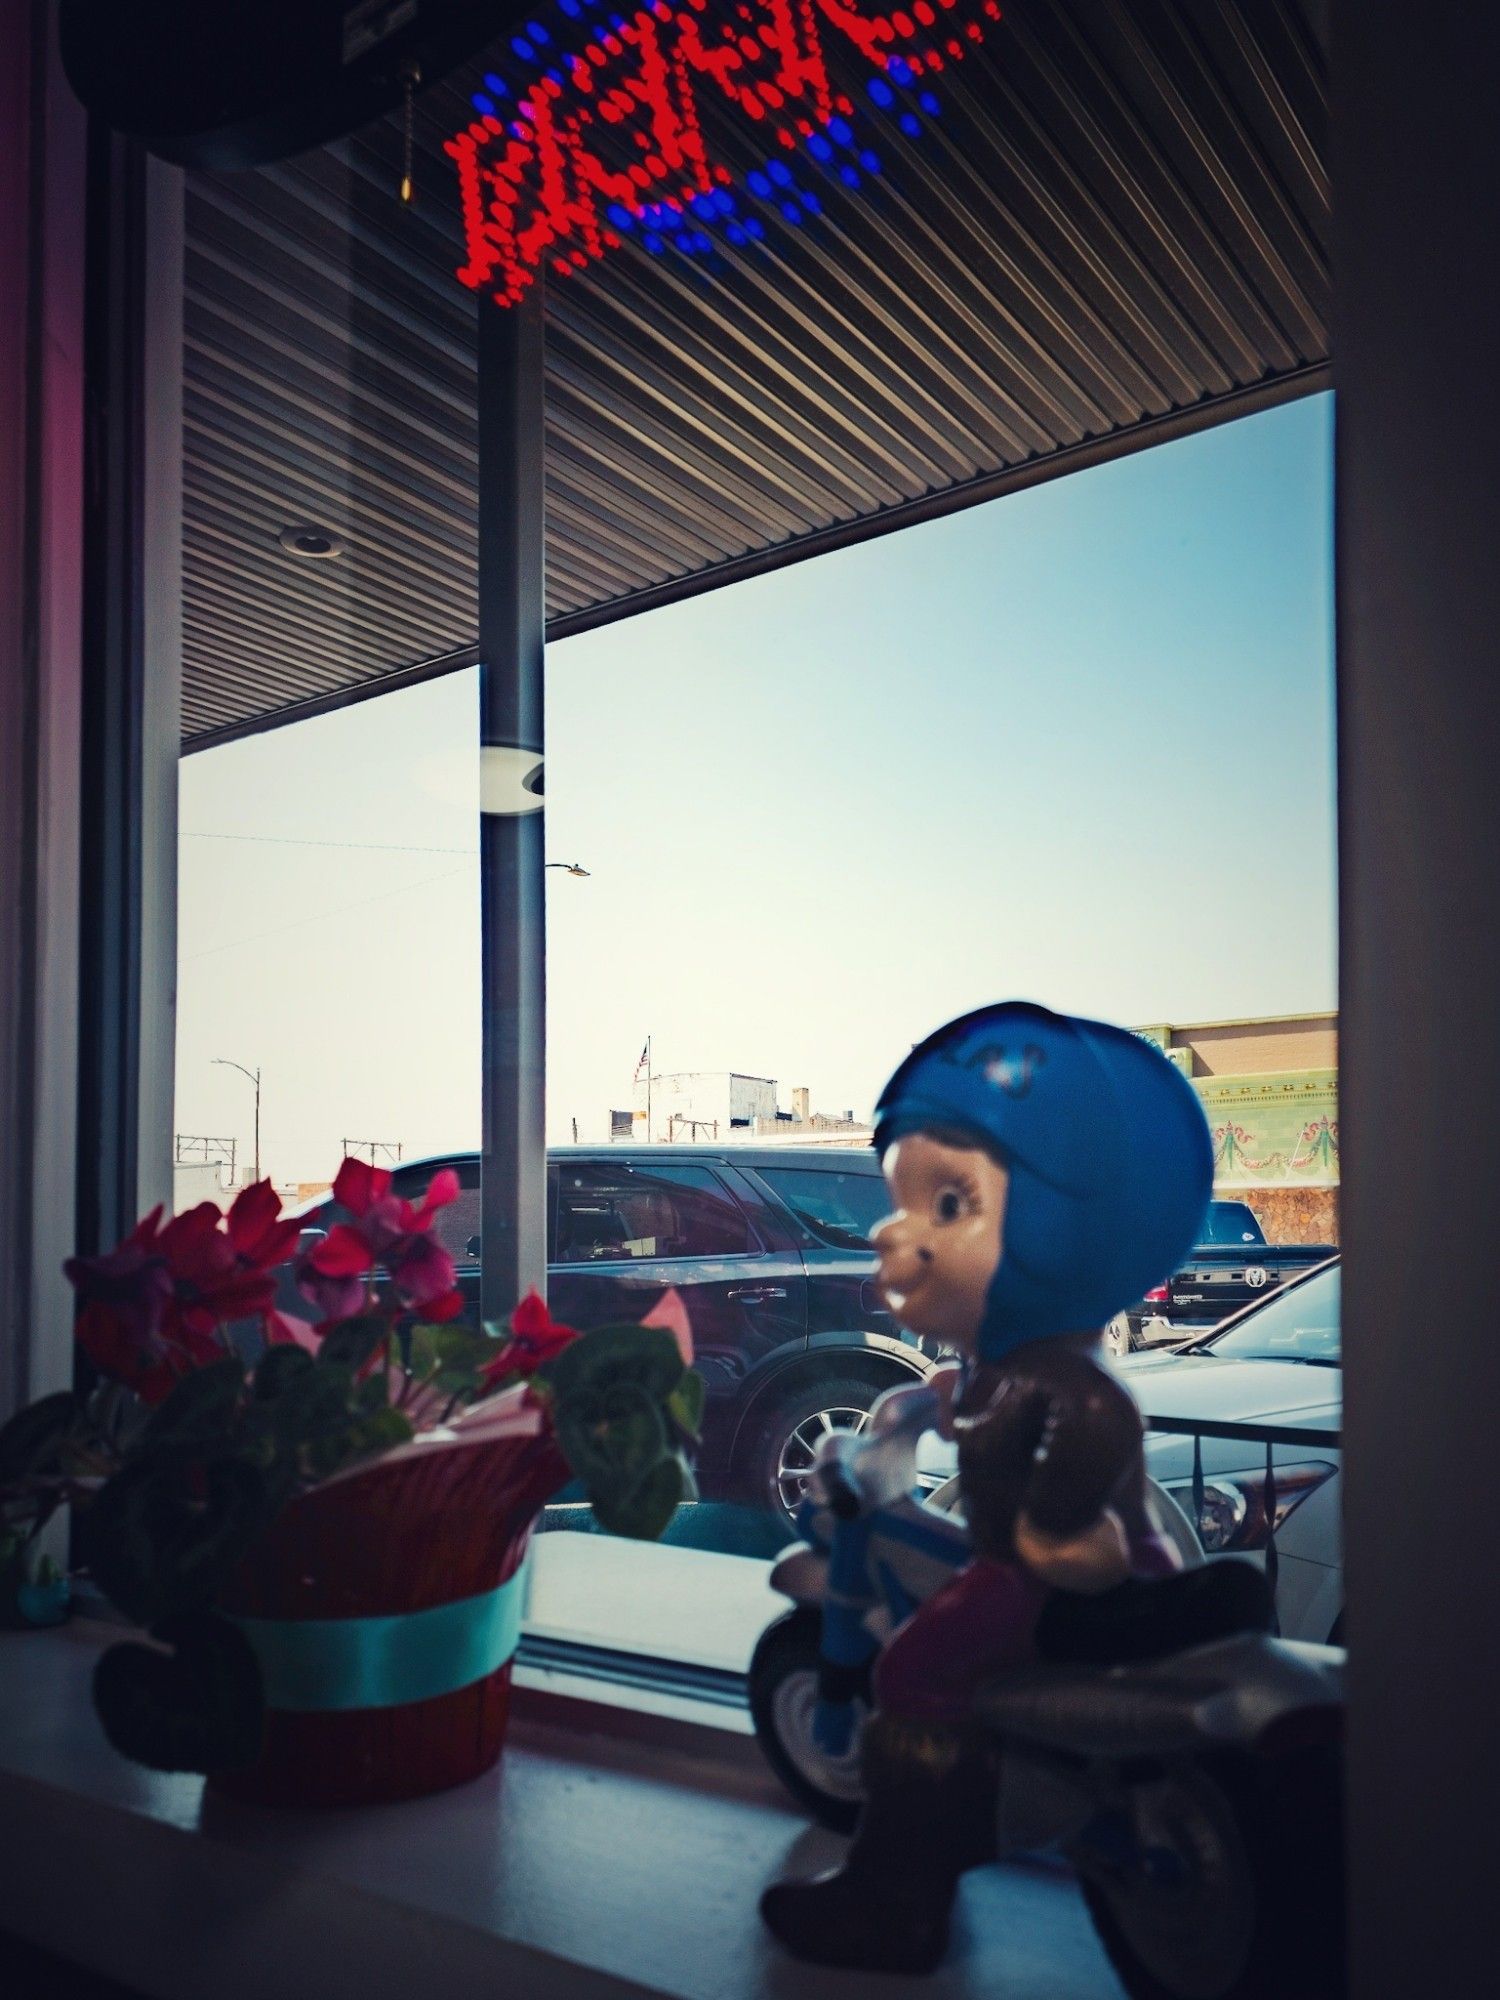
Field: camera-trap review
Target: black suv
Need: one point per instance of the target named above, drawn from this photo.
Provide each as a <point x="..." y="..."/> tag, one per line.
<point x="769" y="1248"/>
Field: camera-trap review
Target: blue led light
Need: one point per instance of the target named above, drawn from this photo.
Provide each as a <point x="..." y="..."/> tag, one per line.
<point x="780" y="172"/>
<point x="758" y="184"/>
<point x="819" y="147"/>
<point x="899" y="68"/>
<point x="870" y="162"/>
<point x="929" y="104"/>
<point x="518" y="130"/>
<point x="735" y="233"/>
<point x="523" y="48"/>
<point x="701" y="242"/>
<point x="497" y="84"/>
<point x="849" y="177"/>
<point x="654" y="243"/>
<point x="554" y="76"/>
<point x="483" y="104"/>
<point x="703" y="204"/>
<point x="620" y="216"/>
<point x="754" y="227"/>
<point x="840" y="132"/>
<point x="811" y="203"/>
<point x="911" y="126"/>
<point x="670" y="219"/>
<point x="723" y="203"/>
<point x="792" y="213"/>
<point x="881" y="91"/>
<point x="571" y="8"/>
<point x="538" y="33"/>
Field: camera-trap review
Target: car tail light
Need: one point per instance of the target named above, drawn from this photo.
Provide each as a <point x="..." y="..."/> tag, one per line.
<point x="1159" y="1295"/>
<point x="1232" y="1512"/>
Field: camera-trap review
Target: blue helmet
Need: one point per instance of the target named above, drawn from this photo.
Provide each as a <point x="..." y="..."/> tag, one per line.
<point x="1108" y="1151"/>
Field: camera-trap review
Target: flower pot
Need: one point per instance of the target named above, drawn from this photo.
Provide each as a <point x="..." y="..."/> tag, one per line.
<point x="384" y="1609"/>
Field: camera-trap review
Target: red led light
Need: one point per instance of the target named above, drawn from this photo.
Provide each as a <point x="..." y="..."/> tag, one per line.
<point x="539" y="193"/>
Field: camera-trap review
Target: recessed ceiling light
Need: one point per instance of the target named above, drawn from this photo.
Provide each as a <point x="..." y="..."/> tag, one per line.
<point x="313" y="544"/>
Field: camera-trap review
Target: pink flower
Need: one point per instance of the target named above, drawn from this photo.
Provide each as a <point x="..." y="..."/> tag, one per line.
<point x="389" y="1233"/>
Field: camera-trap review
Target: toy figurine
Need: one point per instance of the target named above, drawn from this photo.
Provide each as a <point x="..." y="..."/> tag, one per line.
<point x="1044" y="1173"/>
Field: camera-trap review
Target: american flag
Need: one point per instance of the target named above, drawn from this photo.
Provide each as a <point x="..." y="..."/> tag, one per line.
<point x="645" y="1062"/>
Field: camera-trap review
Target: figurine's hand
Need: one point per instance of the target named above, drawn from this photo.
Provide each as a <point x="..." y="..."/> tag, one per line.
<point x="1096" y="1560"/>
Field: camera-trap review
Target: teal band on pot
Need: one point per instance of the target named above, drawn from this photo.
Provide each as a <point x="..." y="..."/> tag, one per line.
<point x="340" y="1663"/>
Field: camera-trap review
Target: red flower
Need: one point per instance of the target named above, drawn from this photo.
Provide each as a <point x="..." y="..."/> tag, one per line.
<point x="386" y="1232"/>
<point x="151" y="1309"/>
<point x="535" y="1338"/>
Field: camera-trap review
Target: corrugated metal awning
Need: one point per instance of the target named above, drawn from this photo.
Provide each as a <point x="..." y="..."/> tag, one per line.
<point x="1114" y="228"/>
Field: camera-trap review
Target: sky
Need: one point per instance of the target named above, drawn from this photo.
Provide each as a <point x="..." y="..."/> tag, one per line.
<point x="1074" y="745"/>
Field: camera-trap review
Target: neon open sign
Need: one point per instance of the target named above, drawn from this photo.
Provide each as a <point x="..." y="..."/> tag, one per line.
<point x="609" y="139"/>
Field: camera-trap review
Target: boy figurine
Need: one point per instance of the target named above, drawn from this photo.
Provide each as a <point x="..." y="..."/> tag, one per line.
<point x="1044" y="1173"/>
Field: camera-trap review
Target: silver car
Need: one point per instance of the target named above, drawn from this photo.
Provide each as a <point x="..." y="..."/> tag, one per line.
<point x="1277" y="1365"/>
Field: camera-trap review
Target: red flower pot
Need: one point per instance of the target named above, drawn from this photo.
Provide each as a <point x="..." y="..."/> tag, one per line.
<point x="383" y="1610"/>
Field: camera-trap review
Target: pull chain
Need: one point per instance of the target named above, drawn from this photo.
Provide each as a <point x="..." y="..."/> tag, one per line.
<point x="411" y="76"/>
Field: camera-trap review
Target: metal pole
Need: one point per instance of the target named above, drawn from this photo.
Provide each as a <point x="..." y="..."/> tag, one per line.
<point x="512" y="620"/>
<point x="257" y="1121"/>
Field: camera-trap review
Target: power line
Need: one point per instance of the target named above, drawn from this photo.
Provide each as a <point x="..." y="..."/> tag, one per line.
<point x="288" y="840"/>
<point x="320" y="916"/>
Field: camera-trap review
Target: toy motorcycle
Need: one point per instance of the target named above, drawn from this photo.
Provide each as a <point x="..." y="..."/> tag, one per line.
<point x="1196" y="1793"/>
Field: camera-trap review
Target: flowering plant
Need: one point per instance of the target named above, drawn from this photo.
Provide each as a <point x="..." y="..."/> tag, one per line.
<point x="213" y="1409"/>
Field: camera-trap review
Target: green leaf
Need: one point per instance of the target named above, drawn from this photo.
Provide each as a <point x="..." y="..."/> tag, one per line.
<point x="353" y="1342"/>
<point x="162" y="1537"/>
<point x="685" y="1404"/>
<point x="644" y="1513"/>
<point x="278" y="1368"/>
<point x="197" y="1708"/>
<point x="30" y="1442"/>
<point x="199" y="1411"/>
<point x="440" y="1350"/>
<point x="645" y="1356"/>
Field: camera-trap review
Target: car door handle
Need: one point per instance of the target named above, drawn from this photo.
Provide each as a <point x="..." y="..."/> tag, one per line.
<point x="756" y="1295"/>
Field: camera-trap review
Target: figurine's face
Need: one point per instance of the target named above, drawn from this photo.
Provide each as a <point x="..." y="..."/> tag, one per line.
<point x="942" y="1246"/>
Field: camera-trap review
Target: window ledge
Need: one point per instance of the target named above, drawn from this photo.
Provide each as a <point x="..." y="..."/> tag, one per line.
<point x="609" y="1855"/>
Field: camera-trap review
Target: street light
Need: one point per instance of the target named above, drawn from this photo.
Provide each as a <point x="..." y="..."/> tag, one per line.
<point x="572" y="867"/>
<point x="254" y="1076"/>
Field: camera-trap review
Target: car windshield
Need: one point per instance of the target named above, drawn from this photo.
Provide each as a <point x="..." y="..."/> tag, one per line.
<point x="1230" y="1222"/>
<point x="1299" y="1324"/>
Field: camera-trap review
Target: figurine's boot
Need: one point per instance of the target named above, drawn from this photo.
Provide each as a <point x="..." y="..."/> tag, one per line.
<point x="930" y="1799"/>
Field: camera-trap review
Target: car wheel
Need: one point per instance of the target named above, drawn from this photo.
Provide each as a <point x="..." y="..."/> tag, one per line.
<point x="1119" y="1336"/>
<point x="791" y="1428"/>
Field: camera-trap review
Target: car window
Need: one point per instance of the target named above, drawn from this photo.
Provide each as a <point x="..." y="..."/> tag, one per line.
<point x="840" y="1206"/>
<point x="1230" y="1222"/>
<point x="1299" y="1324"/>
<point x="607" y="1212"/>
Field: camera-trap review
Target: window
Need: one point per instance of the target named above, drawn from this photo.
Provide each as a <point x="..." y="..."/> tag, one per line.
<point x="1302" y="1324"/>
<point x="842" y="1208"/>
<point x="609" y="1213"/>
<point x="1231" y="1222"/>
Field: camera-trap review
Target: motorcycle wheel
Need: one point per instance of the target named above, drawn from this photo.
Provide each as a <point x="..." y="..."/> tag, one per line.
<point x="783" y="1682"/>
<point x="1248" y="1900"/>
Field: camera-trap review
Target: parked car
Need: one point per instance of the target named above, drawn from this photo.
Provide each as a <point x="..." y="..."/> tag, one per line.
<point x="768" y="1247"/>
<point x="1231" y="1266"/>
<point x="1277" y="1363"/>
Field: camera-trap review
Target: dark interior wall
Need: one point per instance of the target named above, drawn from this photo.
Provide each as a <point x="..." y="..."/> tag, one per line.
<point x="1417" y="374"/>
<point x="41" y="485"/>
